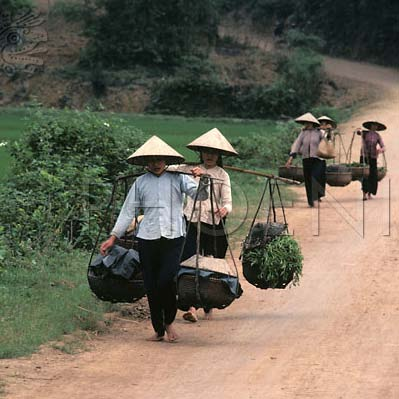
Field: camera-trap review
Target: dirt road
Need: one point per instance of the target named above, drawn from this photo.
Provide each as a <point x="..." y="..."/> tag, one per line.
<point x="334" y="336"/>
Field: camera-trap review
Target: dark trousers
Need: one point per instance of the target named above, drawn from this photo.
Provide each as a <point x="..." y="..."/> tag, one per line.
<point x="160" y="260"/>
<point x="370" y="183"/>
<point x="213" y="240"/>
<point x="314" y="173"/>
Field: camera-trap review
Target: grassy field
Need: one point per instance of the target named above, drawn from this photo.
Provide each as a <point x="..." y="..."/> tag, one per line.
<point x="12" y="124"/>
<point x="43" y="299"/>
<point x="176" y="131"/>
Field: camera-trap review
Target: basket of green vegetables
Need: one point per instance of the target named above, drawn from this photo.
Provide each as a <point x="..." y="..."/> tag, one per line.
<point x="274" y="265"/>
<point x="271" y="258"/>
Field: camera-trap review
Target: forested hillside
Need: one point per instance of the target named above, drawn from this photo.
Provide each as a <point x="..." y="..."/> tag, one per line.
<point x="360" y="29"/>
<point x="171" y="58"/>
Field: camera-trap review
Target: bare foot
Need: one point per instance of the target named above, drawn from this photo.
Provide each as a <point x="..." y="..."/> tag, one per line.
<point x="208" y="315"/>
<point x="171" y="334"/>
<point x="155" y="338"/>
<point x="191" y="315"/>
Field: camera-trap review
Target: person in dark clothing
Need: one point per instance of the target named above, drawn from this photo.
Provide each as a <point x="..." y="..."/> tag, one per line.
<point x="369" y="154"/>
<point x="328" y="125"/>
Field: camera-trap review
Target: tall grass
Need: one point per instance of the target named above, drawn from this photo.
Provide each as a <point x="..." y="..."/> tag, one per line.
<point x="42" y="300"/>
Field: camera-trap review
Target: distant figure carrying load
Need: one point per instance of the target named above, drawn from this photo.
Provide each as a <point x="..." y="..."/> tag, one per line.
<point x="307" y="145"/>
<point x="369" y="154"/>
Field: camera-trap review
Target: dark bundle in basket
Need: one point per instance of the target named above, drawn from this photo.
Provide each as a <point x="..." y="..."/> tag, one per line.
<point x="262" y="233"/>
<point x="275" y="264"/>
<point x="212" y="285"/>
<point x="117" y="277"/>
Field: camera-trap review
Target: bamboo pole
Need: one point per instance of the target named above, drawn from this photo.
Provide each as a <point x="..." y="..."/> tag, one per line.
<point x="234" y="168"/>
<point x="253" y="172"/>
<point x="256" y="173"/>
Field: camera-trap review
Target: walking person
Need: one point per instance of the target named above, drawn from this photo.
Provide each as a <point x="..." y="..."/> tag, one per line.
<point x="211" y="146"/>
<point x="327" y="125"/>
<point x="372" y="146"/>
<point x="307" y="144"/>
<point x="160" y="234"/>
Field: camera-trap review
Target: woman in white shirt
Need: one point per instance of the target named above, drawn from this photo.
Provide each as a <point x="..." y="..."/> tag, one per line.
<point x="213" y="241"/>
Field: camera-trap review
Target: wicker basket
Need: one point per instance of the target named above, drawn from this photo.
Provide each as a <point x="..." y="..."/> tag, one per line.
<point x="292" y="172"/>
<point x="358" y="172"/>
<point x="113" y="289"/>
<point x="251" y="274"/>
<point x="338" y="175"/>
<point x="381" y="173"/>
<point x="214" y="293"/>
<point x="127" y="242"/>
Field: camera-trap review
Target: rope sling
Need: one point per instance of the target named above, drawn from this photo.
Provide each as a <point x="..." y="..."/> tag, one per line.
<point x="209" y="292"/>
<point x="260" y="234"/>
<point x="103" y="281"/>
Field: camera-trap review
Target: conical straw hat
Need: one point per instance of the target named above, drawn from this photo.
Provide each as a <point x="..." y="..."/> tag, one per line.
<point x="328" y="119"/>
<point x="380" y="126"/>
<point x="155" y="147"/>
<point x="213" y="140"/>
<point x="308" y="117"/>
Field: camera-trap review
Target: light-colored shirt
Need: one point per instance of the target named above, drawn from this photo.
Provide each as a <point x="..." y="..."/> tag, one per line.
<point x="161" y="199"/>
<point x="221" y="198"/>
<point x="307" y="143"/>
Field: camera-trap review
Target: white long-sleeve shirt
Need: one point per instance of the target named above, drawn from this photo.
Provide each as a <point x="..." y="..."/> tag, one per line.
<point x="161" y="199"/>
<point x="222" y="197"/>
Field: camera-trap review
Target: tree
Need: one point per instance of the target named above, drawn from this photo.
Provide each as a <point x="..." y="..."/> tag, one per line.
<point x="148" y="32"/>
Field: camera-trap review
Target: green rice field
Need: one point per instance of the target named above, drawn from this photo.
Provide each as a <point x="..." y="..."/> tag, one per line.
<point x="176" y="131"/>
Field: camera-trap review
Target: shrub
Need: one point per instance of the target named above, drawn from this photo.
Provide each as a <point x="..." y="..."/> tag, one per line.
<point x="296" y="38"/>
<point x="265" y="150"/>
<point x="61" y="178"/>
<point x="13" y="6"/>
<point x="148" y="32"/>
<point x="197" y="90"/>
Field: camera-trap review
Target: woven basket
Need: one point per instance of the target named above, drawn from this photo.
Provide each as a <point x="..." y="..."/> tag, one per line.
<point x="381" y="173"/>
<point x="358" y="172"/>
<point x="214" y="293"/>
<point x="113" y="289"/>
<point x="127" y="242"/>
<point x="338" y="175"/>
<point x="292" y="172"/>
<point x="251" y="274"/>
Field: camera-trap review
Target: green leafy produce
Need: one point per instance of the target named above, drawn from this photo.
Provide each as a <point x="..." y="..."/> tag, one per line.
<point x="279" y="262"/>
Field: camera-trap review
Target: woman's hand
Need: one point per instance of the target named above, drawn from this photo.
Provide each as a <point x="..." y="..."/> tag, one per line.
<point x="197" y="171"/>
<point x="106" y="245"/>
<point x="221" y="212"/>
<point x="380" y="150"/>
<point x="289" y="162"/>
